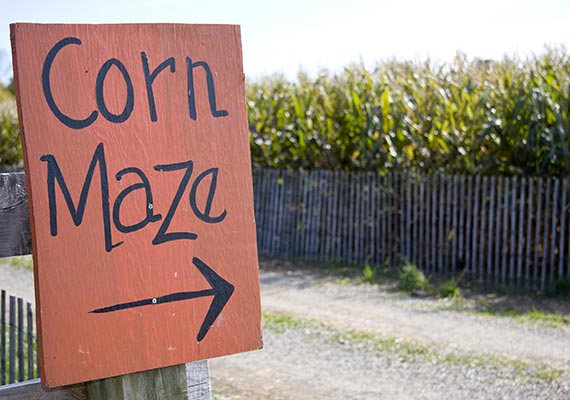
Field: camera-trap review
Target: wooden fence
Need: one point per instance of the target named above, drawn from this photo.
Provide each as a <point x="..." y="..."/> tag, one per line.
<point x="496" y="230"/>
<point x="17" y="340"/>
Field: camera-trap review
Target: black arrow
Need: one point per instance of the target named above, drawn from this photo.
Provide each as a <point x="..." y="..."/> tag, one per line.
<point x="221" y="289"/>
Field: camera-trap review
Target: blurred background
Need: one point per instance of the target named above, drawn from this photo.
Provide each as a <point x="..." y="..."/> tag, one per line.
<point x="410" y="164"/>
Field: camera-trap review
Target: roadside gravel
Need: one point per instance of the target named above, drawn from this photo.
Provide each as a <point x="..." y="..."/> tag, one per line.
<point x="315" y="362"/>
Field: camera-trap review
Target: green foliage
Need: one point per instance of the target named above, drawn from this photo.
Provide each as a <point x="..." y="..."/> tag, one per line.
<point x="10" y="144"/>
<point x="22" y="262"/>
<point x="411" y="279"/>
<point x="369" y="274"/>
<point x="449" y="289"/>
<point x="497" y="117"/>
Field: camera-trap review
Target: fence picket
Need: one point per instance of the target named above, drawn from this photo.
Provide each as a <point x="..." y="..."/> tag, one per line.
<point x="521" y="232"/>
<point x="482" y="219"/>
<point x="543" y="274"/>
<point x="2" y="337"/>
<point x="529" y="222"/>
<point x="562" y="241"/>
<point x="475" y="225"/>
<point x="30" y="339"/>
<point x="447" y="233"/>
<point x="506" y="231"/>
<point x="12" y="340"/>
<point x="512" y="245"/>
<point x="553" y="234"/>
<point x="20" y="330"/>
<point x="461" y="252"/>
<point x="455" y="229"/>
<point x="490" y="224"/>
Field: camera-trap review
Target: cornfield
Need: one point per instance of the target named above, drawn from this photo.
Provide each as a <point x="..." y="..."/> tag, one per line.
<point x="508" y="117"/>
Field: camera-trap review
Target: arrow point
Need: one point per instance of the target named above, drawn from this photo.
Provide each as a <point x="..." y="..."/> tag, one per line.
<point x="222" y="289"/>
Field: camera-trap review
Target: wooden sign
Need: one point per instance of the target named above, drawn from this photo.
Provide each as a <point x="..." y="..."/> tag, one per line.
<point x="139" y="177"/>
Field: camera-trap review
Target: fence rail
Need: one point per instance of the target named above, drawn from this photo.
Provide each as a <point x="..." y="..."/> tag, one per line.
<point x="17" y="340"/>
<point x="496" y="230"/>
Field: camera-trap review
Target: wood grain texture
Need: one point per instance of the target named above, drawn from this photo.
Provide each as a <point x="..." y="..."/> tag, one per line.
<point x="15" y="237"/>
<point x="137" y="161"/>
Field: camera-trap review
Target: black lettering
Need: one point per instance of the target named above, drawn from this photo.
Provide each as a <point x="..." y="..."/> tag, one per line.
<point x="162" y="236"/>
<point x="54" y="175"/>
<point x="130" y="100"/>
<point x="64" y="119"/>
<point x="149" y="205"/>
<point x="205" y="215"/>
<point x="149" y="79"/>
<point x="211" y="89"/>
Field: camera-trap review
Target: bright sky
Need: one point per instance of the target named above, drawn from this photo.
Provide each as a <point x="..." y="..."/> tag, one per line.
<point x="288" y="35"/>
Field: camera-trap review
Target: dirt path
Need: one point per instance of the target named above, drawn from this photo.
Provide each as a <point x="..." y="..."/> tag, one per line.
<point x="306" y="363"/>
<point x="17" y="281"/>
<point x="364" y="308"/>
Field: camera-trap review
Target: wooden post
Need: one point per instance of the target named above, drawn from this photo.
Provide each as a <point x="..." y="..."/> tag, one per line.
<point x="188" y="382"/>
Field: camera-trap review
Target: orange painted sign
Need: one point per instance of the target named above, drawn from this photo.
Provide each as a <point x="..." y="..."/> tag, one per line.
<point x="139" y="175"/>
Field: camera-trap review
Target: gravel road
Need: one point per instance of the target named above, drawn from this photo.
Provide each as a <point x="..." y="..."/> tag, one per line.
<point x="312" y="363"/>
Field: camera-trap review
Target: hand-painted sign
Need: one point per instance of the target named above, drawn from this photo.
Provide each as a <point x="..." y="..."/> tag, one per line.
<point x="138" y="167"/>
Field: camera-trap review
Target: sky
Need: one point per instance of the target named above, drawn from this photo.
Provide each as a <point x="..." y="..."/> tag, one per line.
<point x="310" y="35"/>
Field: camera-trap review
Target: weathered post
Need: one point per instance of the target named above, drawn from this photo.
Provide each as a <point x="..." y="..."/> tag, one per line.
<point x="140" y="192"/>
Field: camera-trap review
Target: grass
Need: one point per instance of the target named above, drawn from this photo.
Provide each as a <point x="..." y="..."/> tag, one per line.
<point x="412" y="279"/>
<point x="533" y="315"/>
<point x="527" y="311"/>
<point x="21" y="262"/>
<point x="408" y="350"/>
<point x="369" y="274"/>
<point x="449" y="289"/>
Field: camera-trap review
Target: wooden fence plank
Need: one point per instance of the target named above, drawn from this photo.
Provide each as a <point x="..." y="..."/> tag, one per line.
<point x="441" y="248"/>
<point x="392" y="237"/>
<point x="562" y="241"/>
<point x="454" y="227"/>
<point x="408" y="205"/>
<point x="520" y="242"/>
<point x="482" y="237"/>
<point x="553" y="226"/>
<point x="447" y="233"/>
<point x="30" y="340"/>
<point x="421" y="212"/>
<point x="15" y="237"/>
<point x="21" y="334"/>
<point x="505" y="232"/>
<point x="490" y="224"/>
<point x="538" y="223"/>
<point x="336" y="216"/>
<point x="2" y="337"/>
<point x="373" y="212"/>
<point x="383" y="220"/>
<point x="12" y="340"/>
<point x="428" y="238"/>
<point x="529" y="242"/>
<point x="359" y="194"/>
<point x="512" y="245"/>
<point x="498" y="246"/>
<point x="460" y="223"/>
<point x="401" y="216"/>
<point x="475" y="226"/>
<point x="468" y="219"/>
<point x="545" y="241"/>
